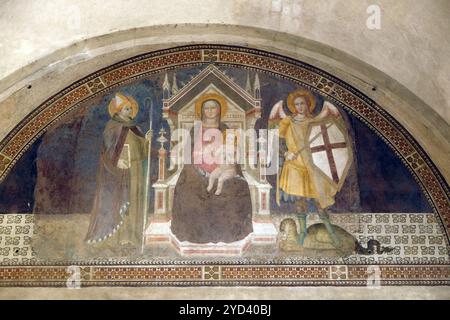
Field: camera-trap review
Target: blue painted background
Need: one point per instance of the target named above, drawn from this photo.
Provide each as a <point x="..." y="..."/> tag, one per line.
<point x="69" y="156"/>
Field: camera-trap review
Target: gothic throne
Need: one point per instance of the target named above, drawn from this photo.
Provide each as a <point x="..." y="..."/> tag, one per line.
<point x="244" y="109"/>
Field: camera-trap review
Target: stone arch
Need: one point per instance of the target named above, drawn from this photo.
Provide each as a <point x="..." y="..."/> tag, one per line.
<point x="348" y="97"/>
<point x="29" y="86"/>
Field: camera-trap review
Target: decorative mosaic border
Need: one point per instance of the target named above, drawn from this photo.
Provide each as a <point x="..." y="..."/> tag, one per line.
<point x="416" y="239"/>
<point x="229" y="275"/>
<point x="403" y="144"/>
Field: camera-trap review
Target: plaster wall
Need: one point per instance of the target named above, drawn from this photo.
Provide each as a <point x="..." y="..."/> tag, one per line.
<point x="47" y="45"/>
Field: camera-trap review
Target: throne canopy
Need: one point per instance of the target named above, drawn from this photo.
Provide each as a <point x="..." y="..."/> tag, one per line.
<point x="243" y="108"/>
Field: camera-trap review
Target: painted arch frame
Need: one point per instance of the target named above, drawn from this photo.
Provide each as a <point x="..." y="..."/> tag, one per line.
<point x="435" y="188"/>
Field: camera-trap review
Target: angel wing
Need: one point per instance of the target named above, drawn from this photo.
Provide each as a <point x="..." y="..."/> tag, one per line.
<point x="276" y="114"/>
<point x="328" y="110"/>
<point x="331" y="109"/>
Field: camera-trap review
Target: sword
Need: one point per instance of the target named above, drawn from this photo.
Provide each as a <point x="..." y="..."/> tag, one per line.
<point x="277" y="195"/>
<point x="312" y="139"/>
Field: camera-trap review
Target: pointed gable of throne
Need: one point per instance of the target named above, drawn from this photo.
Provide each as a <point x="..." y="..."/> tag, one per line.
<point x="243" y="106"/>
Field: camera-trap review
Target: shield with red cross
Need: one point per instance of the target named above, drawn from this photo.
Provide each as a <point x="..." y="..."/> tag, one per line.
<point x="331" y="150"/>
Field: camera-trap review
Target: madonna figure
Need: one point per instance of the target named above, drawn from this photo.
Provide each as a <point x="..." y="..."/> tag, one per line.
<point x="200" y="213"/>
